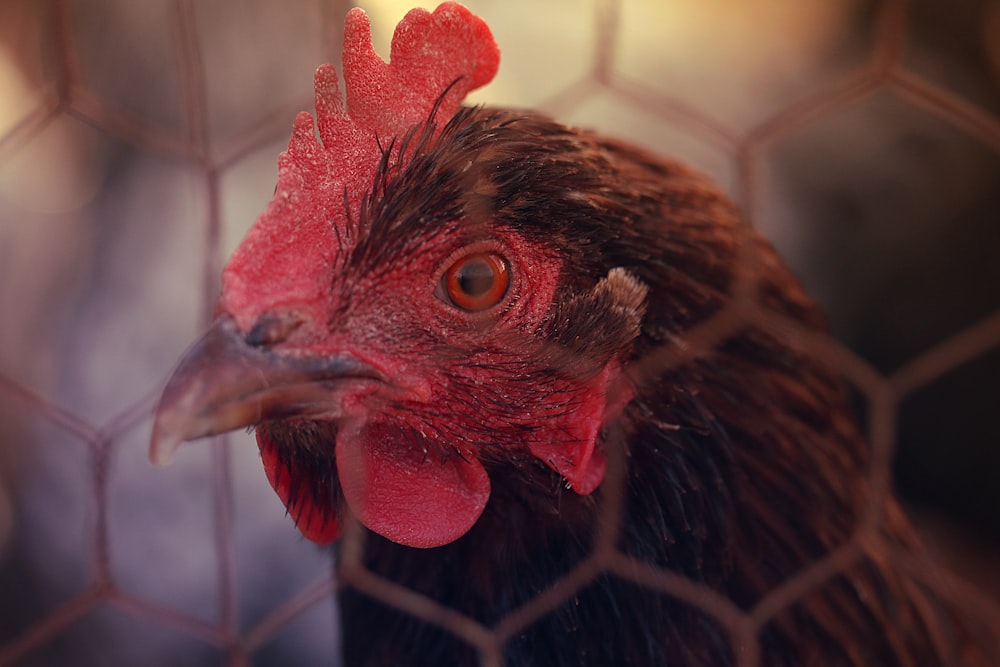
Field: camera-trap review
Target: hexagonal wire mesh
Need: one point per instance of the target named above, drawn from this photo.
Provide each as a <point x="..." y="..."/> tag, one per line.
<point x="138" y="142"/>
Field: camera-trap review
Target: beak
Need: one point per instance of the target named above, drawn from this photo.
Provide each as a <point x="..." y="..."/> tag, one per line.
<point x="223" y="383"/>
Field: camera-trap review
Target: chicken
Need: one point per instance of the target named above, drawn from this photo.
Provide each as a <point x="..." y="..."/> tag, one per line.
<point x="470" y="329"/>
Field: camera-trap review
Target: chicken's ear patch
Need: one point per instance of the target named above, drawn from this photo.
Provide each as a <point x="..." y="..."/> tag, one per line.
<point x="602" y="322"/>
<point x="408" y="489"/>
<point x="569" y="443"/>
<point x="594" y="331"/>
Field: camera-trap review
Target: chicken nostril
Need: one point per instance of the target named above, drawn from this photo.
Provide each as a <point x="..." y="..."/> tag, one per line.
<point x="272" y="328"/>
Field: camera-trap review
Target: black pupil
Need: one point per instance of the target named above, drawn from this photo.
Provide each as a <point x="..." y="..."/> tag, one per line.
<point x="475" y="278"/>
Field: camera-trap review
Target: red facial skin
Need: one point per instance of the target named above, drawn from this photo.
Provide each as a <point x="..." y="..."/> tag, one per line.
<point x="409" y="451"/>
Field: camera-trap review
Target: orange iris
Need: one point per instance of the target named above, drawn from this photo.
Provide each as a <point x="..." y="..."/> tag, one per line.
<point x="478" y="281"/>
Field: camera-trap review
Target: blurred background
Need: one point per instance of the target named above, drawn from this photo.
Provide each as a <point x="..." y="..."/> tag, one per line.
<point x="139" y="140"/>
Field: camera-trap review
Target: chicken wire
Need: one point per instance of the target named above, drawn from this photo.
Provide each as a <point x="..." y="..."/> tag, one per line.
<point x="138" y="141"/>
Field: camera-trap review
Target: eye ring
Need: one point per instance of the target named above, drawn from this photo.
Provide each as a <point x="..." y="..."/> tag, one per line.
<point x="477" y="281"/>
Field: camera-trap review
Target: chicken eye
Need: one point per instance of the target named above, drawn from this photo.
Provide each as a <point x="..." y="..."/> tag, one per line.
<point x="477" y="282"/>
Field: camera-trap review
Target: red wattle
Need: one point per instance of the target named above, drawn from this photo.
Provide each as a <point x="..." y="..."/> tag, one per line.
<point x="316" y="524"/>
<point x="399" y="487"/>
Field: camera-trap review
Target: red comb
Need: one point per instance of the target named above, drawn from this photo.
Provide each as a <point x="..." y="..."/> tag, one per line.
<point x="436" y="59"/>
<point x="430" y="52"/>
